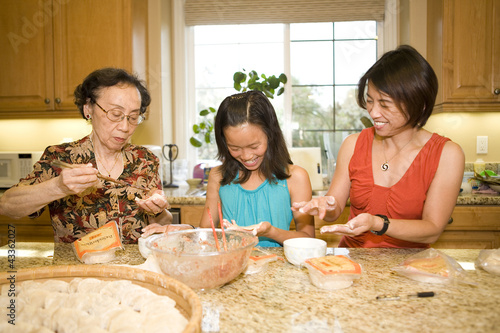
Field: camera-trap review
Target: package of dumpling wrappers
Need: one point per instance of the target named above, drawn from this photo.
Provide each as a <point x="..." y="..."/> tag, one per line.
<point x="432" y="266"/>
<point x="258" y="260"/>
<point x="99" y="246"/>
<point x="489" y="260"/>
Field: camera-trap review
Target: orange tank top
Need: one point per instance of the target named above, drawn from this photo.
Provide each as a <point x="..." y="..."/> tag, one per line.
<point x="403" y="200"/>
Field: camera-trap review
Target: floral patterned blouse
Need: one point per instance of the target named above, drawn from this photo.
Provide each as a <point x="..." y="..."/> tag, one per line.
<point x="76" y="215"/>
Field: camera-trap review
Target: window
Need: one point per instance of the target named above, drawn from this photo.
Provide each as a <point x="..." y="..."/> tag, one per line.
<point x="327" y="60"/>
<point x="323" y="62"/>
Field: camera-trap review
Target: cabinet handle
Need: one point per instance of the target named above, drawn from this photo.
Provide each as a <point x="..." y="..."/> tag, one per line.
<point x="58" y="100"/>
<point x="47" y="101"/>
<point x="497" y="91"/>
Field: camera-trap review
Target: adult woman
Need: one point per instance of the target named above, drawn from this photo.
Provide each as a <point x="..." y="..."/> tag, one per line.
<point x="78" y="197"/>
<point x="256" y="182"/>
<point x="402" y="180"/>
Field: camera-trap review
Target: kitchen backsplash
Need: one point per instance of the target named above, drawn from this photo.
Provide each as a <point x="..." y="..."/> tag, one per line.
<point x="493" y="166"/>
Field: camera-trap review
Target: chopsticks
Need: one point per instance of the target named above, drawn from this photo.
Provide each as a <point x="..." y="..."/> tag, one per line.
<point x="61" y="164"/>
<point x="221" y="221"/>
<point x="213" y="229"/>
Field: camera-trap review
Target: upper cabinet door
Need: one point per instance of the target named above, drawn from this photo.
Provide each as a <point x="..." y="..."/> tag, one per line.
<point x="26" y="62"/>
<point x="464" y="49"/>
<point x="89" y="35"/>
<point x="49" y="47"/>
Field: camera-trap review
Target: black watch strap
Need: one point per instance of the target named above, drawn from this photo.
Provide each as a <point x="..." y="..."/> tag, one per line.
<point x="385" y="227"/>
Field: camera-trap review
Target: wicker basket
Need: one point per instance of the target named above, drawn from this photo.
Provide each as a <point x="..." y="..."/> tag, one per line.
<point x="187" y="301"/>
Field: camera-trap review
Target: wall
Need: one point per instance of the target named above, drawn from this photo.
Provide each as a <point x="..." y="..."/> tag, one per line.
<point x="463" y="128"/>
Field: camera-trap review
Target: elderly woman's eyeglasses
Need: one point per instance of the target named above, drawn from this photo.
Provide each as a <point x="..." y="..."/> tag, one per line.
<point x="135" y="118"/>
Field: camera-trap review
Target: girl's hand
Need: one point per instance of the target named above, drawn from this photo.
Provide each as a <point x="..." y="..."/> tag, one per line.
<point x="356" y="226"/>
<point x="316" y="207"/>
<point x="155" y="203"/>
<point x="255" y="229"/>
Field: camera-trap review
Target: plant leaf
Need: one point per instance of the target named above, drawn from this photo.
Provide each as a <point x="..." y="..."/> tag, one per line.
<point x="195" y="142"/>
<point x="207" y="137"/>
<point x="204" y="112"/>
<point x="283" y="78"/>
<point x="274" y="82"/>
<point x="239" y="77"/>
<point x="196" y="128"/>
<point x="280" y="91"/>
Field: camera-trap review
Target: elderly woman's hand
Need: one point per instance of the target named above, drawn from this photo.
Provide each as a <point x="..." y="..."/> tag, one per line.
<point x="155" y="203"/>
<point x="156" y="228"/>
<point x="316" y="207"/>
<point x="77" y="179"/>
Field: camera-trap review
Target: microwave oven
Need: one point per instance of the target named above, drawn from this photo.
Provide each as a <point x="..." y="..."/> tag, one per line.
<point x="16" y="165"/>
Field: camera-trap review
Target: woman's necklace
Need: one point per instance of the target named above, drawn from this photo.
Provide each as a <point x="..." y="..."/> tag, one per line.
<point x="98" y="160"/>
<point x="106" y="169"/>
<point x="385" y="165"/>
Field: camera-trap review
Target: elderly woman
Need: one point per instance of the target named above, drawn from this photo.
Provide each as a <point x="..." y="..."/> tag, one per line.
<point x="91" y="185"/>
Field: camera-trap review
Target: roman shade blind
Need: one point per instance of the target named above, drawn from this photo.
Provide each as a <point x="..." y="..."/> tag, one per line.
<point x="211" y="12"/>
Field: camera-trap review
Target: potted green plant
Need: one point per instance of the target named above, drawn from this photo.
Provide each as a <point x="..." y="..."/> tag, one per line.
<point x="269" y="85"/>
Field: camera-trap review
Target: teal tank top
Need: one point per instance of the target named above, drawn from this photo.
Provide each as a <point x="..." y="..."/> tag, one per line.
<point x="268" y="202"/>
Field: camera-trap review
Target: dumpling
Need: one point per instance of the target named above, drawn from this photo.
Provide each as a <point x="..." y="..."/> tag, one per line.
<point x="90" y="285"/>
<point x="56" y="286"/>
<point x="34" y="315"/>
<point x="165" y="323"/>
<point x="158" y="305"/>
<point x="35" y="297"/>
<point x="136" y="297"/>
<point x="114" y="288"/>
<point x="64" y="320"/>
<point x="126" y="321"/>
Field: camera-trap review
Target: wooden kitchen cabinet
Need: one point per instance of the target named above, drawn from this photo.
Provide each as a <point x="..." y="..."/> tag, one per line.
<point x="473" y="227"/>
<point x="191" y="214"/>
<point x="463" y="47"/>
<point x="26" y="229"/>
<point x="49" y="47"/>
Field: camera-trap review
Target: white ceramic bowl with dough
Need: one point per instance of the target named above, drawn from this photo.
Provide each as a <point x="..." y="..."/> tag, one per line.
<point x="298" y="250"/>
<point x="145" y="251"/>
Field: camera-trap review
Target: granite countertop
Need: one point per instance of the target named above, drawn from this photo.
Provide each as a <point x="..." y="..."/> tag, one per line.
<point x="185" y="195"/>
<point x="282" y="299"/>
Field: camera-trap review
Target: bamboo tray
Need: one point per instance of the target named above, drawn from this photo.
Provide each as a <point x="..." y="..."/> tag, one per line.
<point x="187" y="302"/>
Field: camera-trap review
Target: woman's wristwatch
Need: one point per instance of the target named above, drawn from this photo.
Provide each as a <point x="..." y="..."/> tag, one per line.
<point x="385" y="227"/>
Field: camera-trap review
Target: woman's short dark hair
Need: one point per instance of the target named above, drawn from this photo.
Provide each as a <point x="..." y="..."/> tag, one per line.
<point x="251" y="107"/>
<point x="108" y="77"/>
<point x="408" y="79"/>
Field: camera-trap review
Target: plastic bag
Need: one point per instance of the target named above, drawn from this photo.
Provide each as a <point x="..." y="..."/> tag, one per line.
<point x="489" y="260"/>
<point x="333" y="272"/>
<point x="99" y="246"/>
<point x="258" y="260"/>
<point x="432" y="266"/>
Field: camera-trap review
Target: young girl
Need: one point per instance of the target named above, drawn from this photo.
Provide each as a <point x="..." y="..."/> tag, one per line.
<point x="256" y="182"/>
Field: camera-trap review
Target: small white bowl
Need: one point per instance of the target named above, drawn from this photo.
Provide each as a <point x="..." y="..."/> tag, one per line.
<point x="145" y="251"/>
<point x="193" y="182"/>
<point x="298" y="250"/>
